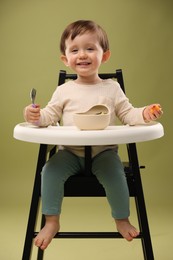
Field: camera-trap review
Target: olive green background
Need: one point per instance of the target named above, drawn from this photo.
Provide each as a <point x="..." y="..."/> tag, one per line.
<point x="141" y="43"/>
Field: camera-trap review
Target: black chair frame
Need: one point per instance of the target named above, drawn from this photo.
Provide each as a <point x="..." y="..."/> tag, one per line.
<point x="87" y="179"/>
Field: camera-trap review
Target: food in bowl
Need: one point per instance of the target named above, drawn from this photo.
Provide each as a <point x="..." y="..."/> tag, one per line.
<point x="96" y="118"/>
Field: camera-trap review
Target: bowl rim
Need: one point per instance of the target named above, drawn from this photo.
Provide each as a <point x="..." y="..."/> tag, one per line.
<point x="85" y="113"/>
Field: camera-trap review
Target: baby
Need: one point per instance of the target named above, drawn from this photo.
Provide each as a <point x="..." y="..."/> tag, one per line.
<point x="84" y="47"/>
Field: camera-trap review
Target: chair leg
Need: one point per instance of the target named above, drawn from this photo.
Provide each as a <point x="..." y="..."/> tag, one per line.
<point x="40" y="254"/>
<point x="140" y="206"/>
<point x="144" y="226"/>
<point x="139" y="200"/>
<point x="27" y="251"/>
<point x="88" y="160"/>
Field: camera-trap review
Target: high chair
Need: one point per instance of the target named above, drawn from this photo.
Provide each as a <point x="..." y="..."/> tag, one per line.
<point x="86" y="185"/>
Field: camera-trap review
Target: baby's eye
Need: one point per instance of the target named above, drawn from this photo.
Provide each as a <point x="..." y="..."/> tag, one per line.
<point x="90" y="49"/>
<point x="74" y="50"/>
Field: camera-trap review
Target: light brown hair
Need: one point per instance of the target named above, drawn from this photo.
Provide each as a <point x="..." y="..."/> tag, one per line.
<point x="80" y="27"/>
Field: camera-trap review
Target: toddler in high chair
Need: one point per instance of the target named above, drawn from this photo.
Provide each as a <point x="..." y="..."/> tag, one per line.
<point x="84" y="47"/>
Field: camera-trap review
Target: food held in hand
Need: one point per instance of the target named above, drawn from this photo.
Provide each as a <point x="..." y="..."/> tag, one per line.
<point x="155" y="108"/>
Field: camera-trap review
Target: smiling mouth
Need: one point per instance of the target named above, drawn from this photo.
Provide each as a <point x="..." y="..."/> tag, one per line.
<point x="83" y="63"/>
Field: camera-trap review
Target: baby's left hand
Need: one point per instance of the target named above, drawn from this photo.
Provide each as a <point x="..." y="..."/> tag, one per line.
<point x="152" y="112"/>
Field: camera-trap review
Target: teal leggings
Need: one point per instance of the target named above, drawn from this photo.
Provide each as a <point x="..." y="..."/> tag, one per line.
<point x="106" y="166"/>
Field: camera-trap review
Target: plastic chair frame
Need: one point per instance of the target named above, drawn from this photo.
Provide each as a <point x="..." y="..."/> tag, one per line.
<point x="87" y="179"/>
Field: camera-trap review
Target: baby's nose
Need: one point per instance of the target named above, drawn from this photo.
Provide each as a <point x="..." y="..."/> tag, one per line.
<point x="82" y="54"/>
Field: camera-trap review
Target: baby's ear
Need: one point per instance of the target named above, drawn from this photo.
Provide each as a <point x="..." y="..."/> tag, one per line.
<point x="64" y="59"/>
<point x="106" y="56"/>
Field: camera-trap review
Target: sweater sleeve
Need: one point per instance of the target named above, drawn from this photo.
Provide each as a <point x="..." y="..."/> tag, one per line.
<point x="52" y="113"/>
<point x="125" y="111"/>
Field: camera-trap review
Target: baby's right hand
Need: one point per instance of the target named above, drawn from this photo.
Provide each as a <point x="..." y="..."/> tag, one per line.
<point x="32" y="114"/>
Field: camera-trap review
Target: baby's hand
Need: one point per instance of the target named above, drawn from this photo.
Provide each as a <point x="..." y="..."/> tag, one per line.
<point x="32" y="113"/>
<point x="152" y="112"/>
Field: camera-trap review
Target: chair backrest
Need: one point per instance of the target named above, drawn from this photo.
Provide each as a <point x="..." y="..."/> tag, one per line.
<point x="117" y="75"/>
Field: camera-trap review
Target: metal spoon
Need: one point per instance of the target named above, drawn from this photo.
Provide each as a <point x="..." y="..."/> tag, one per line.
<point x="32" y="96"/>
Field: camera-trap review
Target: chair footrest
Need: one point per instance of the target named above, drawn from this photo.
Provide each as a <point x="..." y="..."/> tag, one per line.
<point x="88" y="235"/>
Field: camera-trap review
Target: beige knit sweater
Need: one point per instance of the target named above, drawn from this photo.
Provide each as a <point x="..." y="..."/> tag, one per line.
<point x="71" y="98"/>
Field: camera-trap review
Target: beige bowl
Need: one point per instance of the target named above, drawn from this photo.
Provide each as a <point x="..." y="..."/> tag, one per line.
<point x="96" y="118"/>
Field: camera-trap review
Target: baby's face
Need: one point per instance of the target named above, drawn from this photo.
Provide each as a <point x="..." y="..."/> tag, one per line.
<point x="83" y="54"/>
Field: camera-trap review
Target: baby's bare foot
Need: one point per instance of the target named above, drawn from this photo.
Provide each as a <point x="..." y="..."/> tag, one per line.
<point x="50" y="229"/>
<point x="126" y="229"/>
